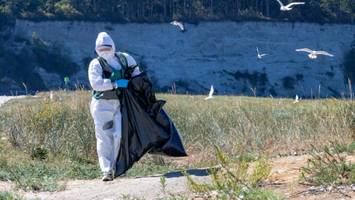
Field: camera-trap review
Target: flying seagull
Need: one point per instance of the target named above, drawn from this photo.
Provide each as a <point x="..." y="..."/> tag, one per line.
<point x="178" y="24"/>
<point x="210" y="94"/>
<point x="314" y="54"/>
<point x="289" y="6"/>
<point x="260" y="56"/>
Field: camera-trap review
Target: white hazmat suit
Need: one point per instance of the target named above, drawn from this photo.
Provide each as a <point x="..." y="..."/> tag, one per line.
<point x="106" y="112"/>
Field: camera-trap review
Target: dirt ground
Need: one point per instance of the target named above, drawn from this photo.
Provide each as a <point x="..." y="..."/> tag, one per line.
<point x="283" y="179"/>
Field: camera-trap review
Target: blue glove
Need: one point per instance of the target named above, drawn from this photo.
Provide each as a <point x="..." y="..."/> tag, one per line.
<point x="122" y="83"/>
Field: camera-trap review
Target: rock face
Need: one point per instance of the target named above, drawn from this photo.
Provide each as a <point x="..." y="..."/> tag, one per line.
<point x="218" y="53"/>
<point x="7" y="84"/>
<point x="51" y="80"/>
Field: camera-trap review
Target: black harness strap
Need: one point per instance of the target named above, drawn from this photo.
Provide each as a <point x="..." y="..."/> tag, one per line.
<point x="106" y="73"/>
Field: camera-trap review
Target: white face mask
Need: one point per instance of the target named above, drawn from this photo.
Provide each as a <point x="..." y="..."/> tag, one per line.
<point x="107" y="54"/>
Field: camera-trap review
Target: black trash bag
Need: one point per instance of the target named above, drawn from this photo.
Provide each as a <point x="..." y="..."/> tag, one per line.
<point x="146" y="127"/>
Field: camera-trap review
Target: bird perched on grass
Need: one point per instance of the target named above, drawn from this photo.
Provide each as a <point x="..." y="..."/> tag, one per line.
<point x="297" y="99"/>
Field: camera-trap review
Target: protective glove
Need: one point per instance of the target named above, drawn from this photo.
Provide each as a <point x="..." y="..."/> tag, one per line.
<point x="122" y="83"/>
<point x="115" y="75"/>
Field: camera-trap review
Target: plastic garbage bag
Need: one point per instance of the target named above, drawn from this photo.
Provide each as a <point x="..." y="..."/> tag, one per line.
<point x="146" y="127"/>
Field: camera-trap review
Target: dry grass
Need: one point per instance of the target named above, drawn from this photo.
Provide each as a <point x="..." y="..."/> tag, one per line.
<point x="239" y="125"/>
<point x="54" y="139"/>
<point x="62" y="126"/>
<point x="260" y="125"/>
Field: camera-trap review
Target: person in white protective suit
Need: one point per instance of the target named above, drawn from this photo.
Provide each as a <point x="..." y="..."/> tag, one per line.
<point x="106" y="78"/>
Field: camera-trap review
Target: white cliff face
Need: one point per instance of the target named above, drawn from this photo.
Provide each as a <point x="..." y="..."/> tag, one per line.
<point x="218" y="53"/>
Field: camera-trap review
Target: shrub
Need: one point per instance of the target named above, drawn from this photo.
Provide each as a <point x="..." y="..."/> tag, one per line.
<point x="328" y="167"/>
<point x="9" y="196"/>
<point x="288" y="83"/>
<point x="254" y="79"/>
<point x="65" y="9"/>
<point x="21" y="68"/>
<point x="232" y="180"/>
<point x="51" y="57"/>
<point x="39" y="153"/>
<point x="20" y="65"/>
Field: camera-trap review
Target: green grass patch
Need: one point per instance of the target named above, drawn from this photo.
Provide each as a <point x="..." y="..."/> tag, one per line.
<point x="234" y="181"/>
<point x="42" y="175"/>
<point x="50" y="174"/>
<point x="328" y="167"/>
<point x="261" y="194"/>
<point x="9" y="196"/>
<point x="348" y="148"/>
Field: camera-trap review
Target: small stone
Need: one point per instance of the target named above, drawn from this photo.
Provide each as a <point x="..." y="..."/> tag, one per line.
<point x="241" y="196"/>
<point x="341" y="187"/>
<point x="329" y="188"/>
<point x="214" y="193"/>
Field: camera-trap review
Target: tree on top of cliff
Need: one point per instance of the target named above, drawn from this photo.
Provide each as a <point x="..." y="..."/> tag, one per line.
<point x="321" y="11"/>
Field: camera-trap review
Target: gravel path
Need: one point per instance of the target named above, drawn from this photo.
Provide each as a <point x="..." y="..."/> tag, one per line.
<point x="120" y="188"/>
<point x="4" y="99"/>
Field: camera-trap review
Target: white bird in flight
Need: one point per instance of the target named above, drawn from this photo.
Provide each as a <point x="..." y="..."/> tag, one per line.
<point x="210" y="95"/>
<point x="178" y="24"/>
<point x="289" y="7"/>
<point x="260" y="56"/>
<point x="314" y="54"/>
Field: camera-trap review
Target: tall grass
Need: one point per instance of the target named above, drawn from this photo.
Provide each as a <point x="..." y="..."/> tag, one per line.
<point x="61" y="127"/>
<point x="53" y="139"/>
<point x="246" y="124"/>
<point x="237" y="124"/>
